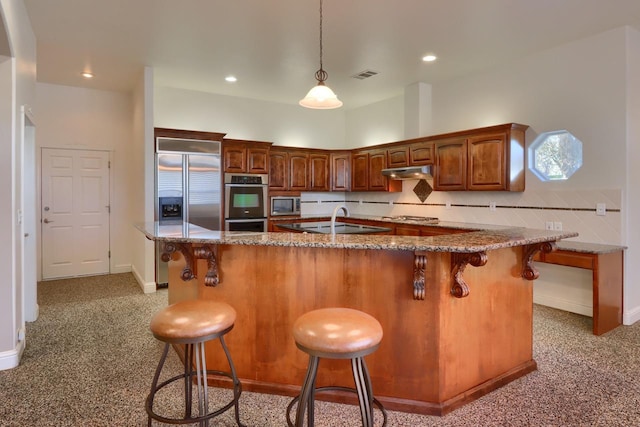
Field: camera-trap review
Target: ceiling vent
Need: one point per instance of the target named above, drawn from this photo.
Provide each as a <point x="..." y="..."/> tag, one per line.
<point x="364" y="74"/>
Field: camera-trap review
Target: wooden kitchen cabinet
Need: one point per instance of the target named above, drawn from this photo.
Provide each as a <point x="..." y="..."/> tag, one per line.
<point x="451" y="164"/>
<point x="278" y="170"/>
<point x="398" y="157"/>
<point x="366" y="172"/>
<point x="340" y="171"/>
<point x="421" y="153"/>
<point x="360" y="172"/>
<point x="377" y="162"/>
<point x="496" y="160"/>
<point x="298" y="170"/>
<point x="319" y="171"/>
<point x="487" y="159"/>
<point x="241" y="156"/>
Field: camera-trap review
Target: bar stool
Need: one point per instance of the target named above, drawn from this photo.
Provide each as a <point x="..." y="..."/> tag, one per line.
<point x="192" y="323"/>
<point x="336" y="333"/>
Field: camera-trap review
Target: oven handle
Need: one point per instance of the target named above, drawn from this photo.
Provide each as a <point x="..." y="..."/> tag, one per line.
<point x="246" y="220"/>
<point x="245" y="185"/>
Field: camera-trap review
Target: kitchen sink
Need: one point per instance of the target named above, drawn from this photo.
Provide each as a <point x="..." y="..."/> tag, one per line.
<point x="324" y="227"/>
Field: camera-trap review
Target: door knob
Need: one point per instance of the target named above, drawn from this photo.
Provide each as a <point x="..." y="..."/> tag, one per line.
<point x="46" y="221"/>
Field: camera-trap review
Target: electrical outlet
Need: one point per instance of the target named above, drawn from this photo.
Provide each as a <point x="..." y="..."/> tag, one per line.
<point x="601" y="209"/>
<point x="492" y="206"/>
<point x="557" y="226"/>
<point x="447" y="205"/>
<point x="548" y="225"/>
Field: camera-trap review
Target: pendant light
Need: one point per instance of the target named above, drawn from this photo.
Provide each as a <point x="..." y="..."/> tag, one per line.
<point x="321" y="96"/>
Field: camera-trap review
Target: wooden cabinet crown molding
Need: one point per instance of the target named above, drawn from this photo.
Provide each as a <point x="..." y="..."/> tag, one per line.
<point x="187" y="134"/>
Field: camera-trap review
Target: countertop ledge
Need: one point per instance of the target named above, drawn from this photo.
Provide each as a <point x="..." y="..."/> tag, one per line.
<point x="490" y="238"/>
<point x="589" y="248"/>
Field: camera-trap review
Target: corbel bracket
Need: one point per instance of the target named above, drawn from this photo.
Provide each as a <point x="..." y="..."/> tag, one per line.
<point x="190" y="255"/>
<point x="460" y="289"/>
<point x="529" y="272"/>
<point x="419" y="265"/>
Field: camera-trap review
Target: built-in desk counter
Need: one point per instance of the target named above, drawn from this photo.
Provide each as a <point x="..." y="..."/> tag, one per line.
<point x="456" y="310"/>
<point x="607" y="265"/>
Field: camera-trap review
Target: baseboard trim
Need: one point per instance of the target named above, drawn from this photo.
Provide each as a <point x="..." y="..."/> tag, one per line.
<point x="36" y="314"/>
<point x="630" y="317"/>
<point x="147" y="287"/>
<point x="121" y="268"/>
<point x="10" y="359"/>
<point x="562" y="304"/>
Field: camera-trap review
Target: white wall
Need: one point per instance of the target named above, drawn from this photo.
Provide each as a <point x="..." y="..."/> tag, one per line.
<point x="376" y="123"/>
<point x="632" y="194"/>
<point x="142" y="181"/>
<point x="242" y="118"/>
<point x="88" y="119"/>
<point x="17" y="88"/>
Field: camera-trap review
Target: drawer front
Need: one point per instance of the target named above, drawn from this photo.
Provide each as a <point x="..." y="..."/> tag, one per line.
<point x="570" y="259"/>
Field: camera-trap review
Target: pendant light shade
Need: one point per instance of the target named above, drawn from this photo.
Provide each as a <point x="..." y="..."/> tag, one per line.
<point x="321" y="96"/>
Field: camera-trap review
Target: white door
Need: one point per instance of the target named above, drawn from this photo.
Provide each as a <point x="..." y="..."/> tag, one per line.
<point x="75" y="213"/>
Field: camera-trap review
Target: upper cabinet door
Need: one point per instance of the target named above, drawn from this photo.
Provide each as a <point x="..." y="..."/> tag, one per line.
<point x="234" y="156"/>
<point x="421" y="153"/>
<point x="278" y="170"/>
<point x="360" y="172"/>
<point x="451" y="165"/>
<point x="298" y="171"/>
<point x="341" y="171"/>
<point x="398" y="157"/>
<point x="487" y="162"/>
<point x="319" y="172"/>
<point x="257" y="160"/>
<point x="377" y="162"/>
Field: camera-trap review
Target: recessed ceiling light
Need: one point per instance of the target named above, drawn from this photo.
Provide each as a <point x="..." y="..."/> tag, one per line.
<point x="231" y="79"/>
<point x="87" y="75"/>
<point x="429" y="58"/>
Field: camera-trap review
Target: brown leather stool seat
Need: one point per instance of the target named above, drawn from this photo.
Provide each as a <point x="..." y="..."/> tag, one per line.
<point x="192" y="323"/>
<point x="337" y="333"/>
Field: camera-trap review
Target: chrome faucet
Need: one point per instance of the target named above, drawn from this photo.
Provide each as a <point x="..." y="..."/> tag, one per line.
<point x="333" y="217"/>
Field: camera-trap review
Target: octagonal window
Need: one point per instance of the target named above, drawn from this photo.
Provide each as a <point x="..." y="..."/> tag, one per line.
<point x="555" y="156"/>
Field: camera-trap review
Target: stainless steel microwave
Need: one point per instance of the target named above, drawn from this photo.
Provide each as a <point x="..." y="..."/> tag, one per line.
<point x="285" y="205"/>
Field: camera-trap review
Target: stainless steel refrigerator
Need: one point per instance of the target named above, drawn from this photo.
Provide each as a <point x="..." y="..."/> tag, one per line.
<point x="188" y="187"/>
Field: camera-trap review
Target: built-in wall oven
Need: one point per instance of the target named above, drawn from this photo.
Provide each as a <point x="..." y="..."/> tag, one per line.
<point x="245" y="197"/>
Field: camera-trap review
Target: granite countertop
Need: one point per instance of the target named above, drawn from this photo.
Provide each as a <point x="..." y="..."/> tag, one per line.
<point x="490" y="238"/>
<point x="444" y="224"/>
<point x="589" y="248"/>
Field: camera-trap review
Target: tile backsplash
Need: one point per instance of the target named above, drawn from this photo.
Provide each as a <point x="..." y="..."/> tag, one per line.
<point x="573" y="210"/>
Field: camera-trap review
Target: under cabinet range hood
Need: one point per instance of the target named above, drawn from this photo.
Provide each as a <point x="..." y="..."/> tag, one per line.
<point x="411" y="172"/>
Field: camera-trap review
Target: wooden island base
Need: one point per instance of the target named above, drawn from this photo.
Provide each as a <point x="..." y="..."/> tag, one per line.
<point x="436" y="354"/>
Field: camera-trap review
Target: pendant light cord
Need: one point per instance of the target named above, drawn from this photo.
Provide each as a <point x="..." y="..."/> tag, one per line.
<point x="321" y="34"/>
<point x="321" y="74"/>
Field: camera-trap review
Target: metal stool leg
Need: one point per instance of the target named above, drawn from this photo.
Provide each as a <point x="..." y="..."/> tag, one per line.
<point x="363" y="387"/>
<point x="305" y="401"/>
<point x="203" y="391"/>
<point x="237" y="387"/>
<point x="154" y="383"/>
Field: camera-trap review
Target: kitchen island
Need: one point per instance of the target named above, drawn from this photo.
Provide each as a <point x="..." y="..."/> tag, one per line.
<point x="456" y="310"/>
